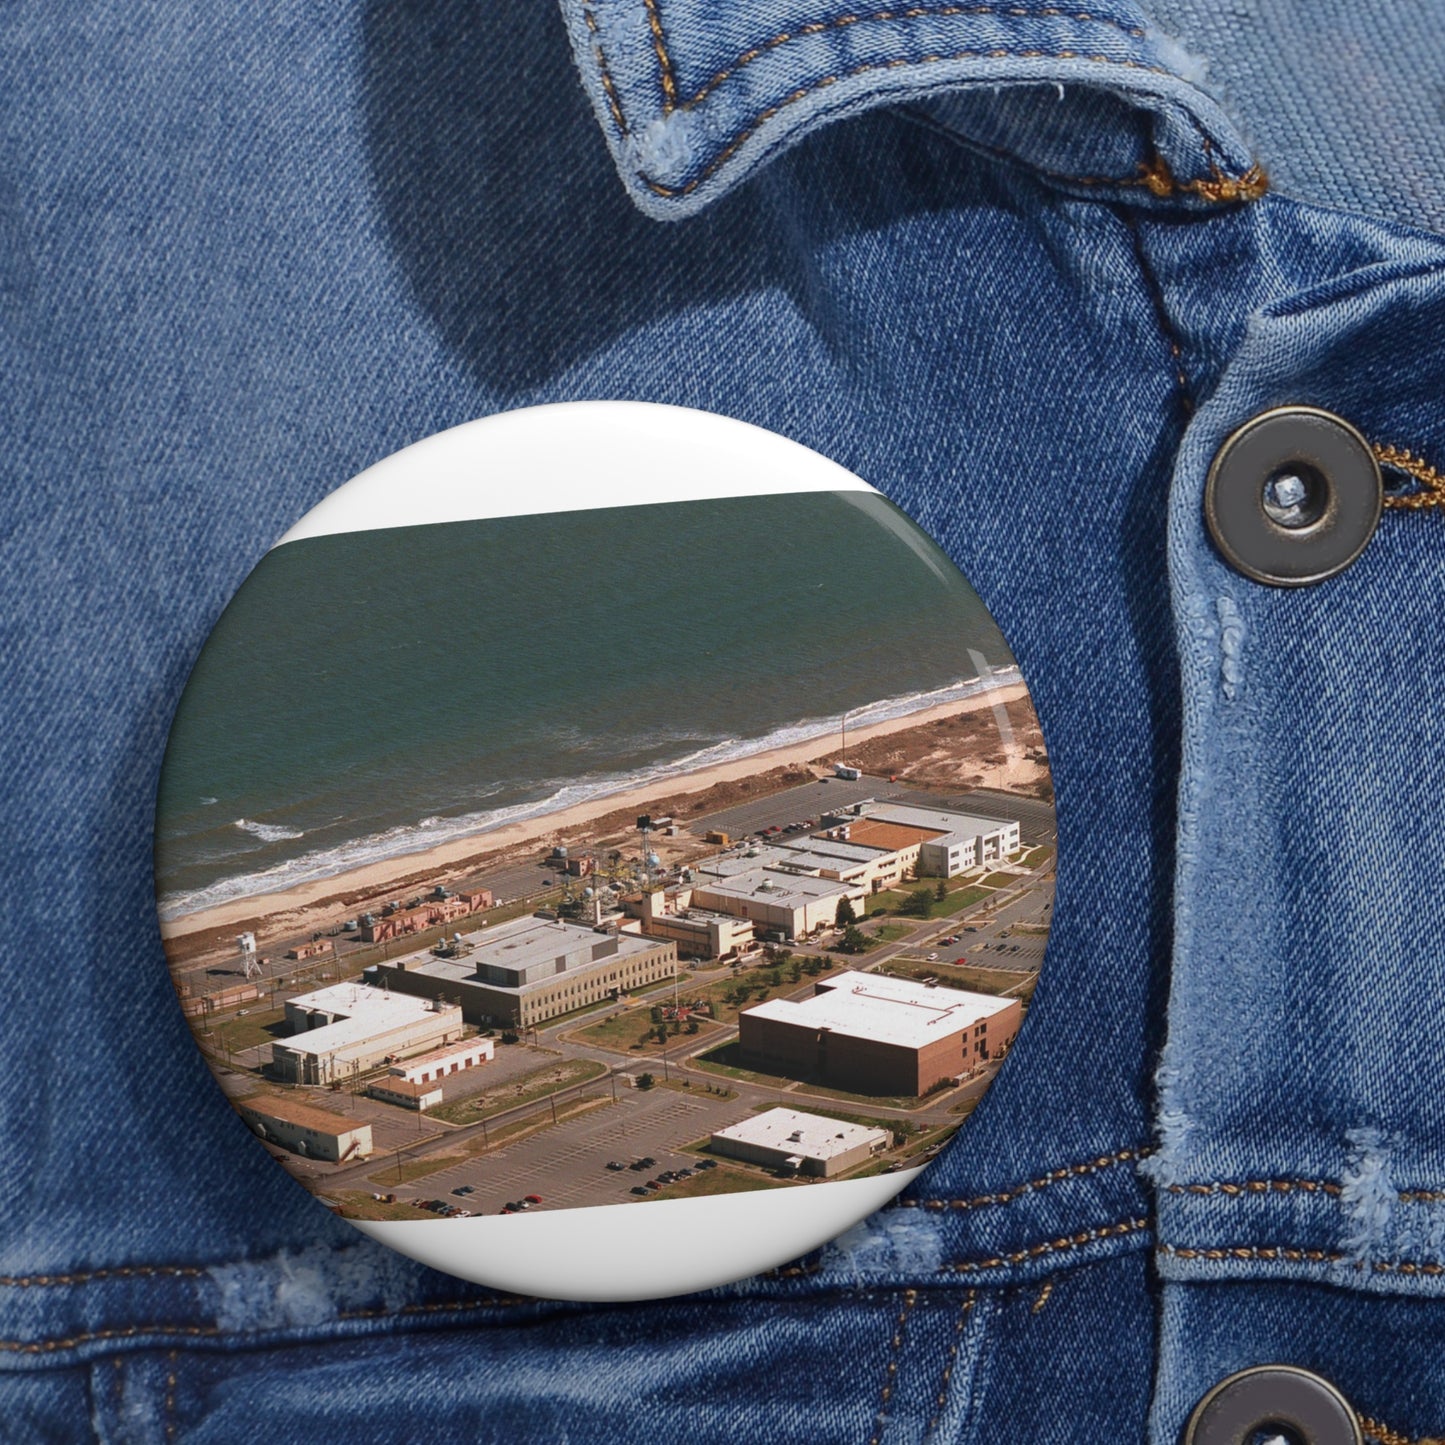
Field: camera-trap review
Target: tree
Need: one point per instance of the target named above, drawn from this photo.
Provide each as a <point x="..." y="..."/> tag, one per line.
<point x="656" y="1013"/>
<point x="795" y="971"/>
<point x="918" y="904"/>
<point x="845" y="914"/>
<point x="854" y="940"/>
<point x="645" y="1081"/>
<point x="940" y="890"/>
<point x="692" y="1026"/>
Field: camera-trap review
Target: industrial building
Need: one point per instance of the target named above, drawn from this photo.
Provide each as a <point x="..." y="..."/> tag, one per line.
<point x="933" y="842"/>
<point x="530" y="970"/>
<point x="798" y="1143"/>
<point x="775" y="899"/>
<point x="871" y="1034"/>
<point x="397" y="922"/>
<point x="342" y="1031"/>
<point x="697" y="932"/>
<point x="305" y="1129"/>
<point x="405" y="1094"/>
<point x="449" y="1060"/>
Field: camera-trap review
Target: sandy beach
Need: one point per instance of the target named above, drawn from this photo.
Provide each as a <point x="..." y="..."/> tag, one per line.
<point x="929" y="758"/>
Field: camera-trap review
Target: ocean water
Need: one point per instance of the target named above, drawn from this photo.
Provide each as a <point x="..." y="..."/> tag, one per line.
<point x="370" y="695"/>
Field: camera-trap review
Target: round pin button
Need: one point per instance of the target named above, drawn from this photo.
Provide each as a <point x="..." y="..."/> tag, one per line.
<point x="1293" y="496"/>
<point x="1273" y="1400"/>
<point x="596" y="884"/>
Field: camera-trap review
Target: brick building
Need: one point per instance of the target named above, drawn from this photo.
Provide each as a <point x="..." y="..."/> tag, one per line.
<point x="871" y="1034"/>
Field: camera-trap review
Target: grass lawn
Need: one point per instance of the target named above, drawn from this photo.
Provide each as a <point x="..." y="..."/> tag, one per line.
<point x="890" y="932"/>
<point x="258" y="1027"/>
<point x="411" y="1169"/>
<point x="723" y="1060"/>
<point x="961" y="893"/>
<point x="356" y="1205"/>
<point x="535" y="1085"/>
<point x="717" y="1181"/>
<point x="967" y="976"/>
<point x="632" y="1031"/>
<point x="684" y="1086"/>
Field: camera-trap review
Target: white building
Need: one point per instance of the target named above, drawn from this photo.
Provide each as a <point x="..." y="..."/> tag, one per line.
<point x="936" y="842"/>
<point x="405" y="1094"/>
<point x="800" y="1143"/>
<point x="349" y="1028"/>
<point x="304" y="1129"/>
<point x="449" y="1060"/>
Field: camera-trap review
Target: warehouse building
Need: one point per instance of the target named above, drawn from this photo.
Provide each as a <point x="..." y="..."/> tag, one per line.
<point x="342" y="1031"/>
<point x="776" y="900"/>
<point x="936" y="842"/>
<point x="304" y="1129"/>
<point x="405" y="1094"/>
<point x="797" y="1143"/>
<point x="530" y="970"/>
<point x="697" y="932"/>
<point x="871" y="1034"/>
<point x="451" y="1059"/>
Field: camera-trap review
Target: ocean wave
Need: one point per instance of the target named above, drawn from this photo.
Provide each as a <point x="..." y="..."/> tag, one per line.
<point x="209" y="802"/>
<point x="268" y="832"/>
<point x="553" y="795"/>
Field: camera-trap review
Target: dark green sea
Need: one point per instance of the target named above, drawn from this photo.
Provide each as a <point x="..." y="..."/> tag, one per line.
<point x="376" y="693"/>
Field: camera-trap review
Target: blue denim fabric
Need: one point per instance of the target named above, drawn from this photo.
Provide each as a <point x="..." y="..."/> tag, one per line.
<point x="1026" y="293"/>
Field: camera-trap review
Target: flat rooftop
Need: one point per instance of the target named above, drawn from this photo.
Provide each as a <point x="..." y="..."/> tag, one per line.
<point x="820" y="852"/>
<point x="523" y="943"/>
<point x="810" y="1136"/>
<point x="305" y="1116"/>
<point x="893" y="837"/>
<point x="941" y="820"/>
<point x="886" y="1010"/>
<point x="773" y="885"/>
<point x="369" y="1012"/>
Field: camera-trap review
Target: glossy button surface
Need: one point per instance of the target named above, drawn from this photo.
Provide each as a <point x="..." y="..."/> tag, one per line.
<point x="1273" y="1400"/>
<point x="1293" y="496"/>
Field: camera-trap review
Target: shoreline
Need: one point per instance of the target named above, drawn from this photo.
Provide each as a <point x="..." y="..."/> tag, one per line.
<point x="473" y="851"/>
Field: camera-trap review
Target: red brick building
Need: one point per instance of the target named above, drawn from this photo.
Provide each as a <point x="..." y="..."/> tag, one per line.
<point x="871" y="1034"/>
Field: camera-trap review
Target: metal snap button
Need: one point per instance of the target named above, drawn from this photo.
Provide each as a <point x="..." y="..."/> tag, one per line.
<point x="1273" y="1401"/>
<point x="1293" y="496"/>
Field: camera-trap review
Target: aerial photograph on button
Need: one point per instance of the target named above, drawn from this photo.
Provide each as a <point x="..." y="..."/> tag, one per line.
<point x="605" y="857"/>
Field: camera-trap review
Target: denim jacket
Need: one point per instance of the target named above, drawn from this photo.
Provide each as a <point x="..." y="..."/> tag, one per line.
<point x="1023" y="268"/>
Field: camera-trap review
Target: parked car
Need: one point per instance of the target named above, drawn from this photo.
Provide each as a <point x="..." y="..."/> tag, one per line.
<point x="707" y="1163"/>
<point x="638" y="1165"/>
<point x="638" y="1189"/>
<point x="463" y="1190"/>
<point x="533" y="1198"/>
<point x="654" y="1184"/>
<point x="615" y="1164"/>
<point x="684" y="1174"/>
<point x="648" y="1162"/>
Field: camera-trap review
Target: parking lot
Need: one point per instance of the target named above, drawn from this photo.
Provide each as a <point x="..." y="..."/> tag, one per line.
<point x="567" y="1163"/>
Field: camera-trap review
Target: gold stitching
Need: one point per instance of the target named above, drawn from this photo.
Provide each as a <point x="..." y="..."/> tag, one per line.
<point x="1235" y="1190"/>
<point x="1384" y="1435"/>
<point x="613" y="102"/>
<point x="30" y="1281"/>
<point x="170" y="1402"/>
<point x="1156" y="175"/>
<point x="1429" y="478"/>
<point x="1043" y="1298"/>
<point x="763" y="116"/>
<point x="912" y="12"/>
<point x="1297" y="1255"/>
<point x="664" y="60"/>
<point x="1052" y="1246"/>
<point x="1054" y="1176"/>
<point x="890" y="1376"/>
<point x="970" y="1299"/>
